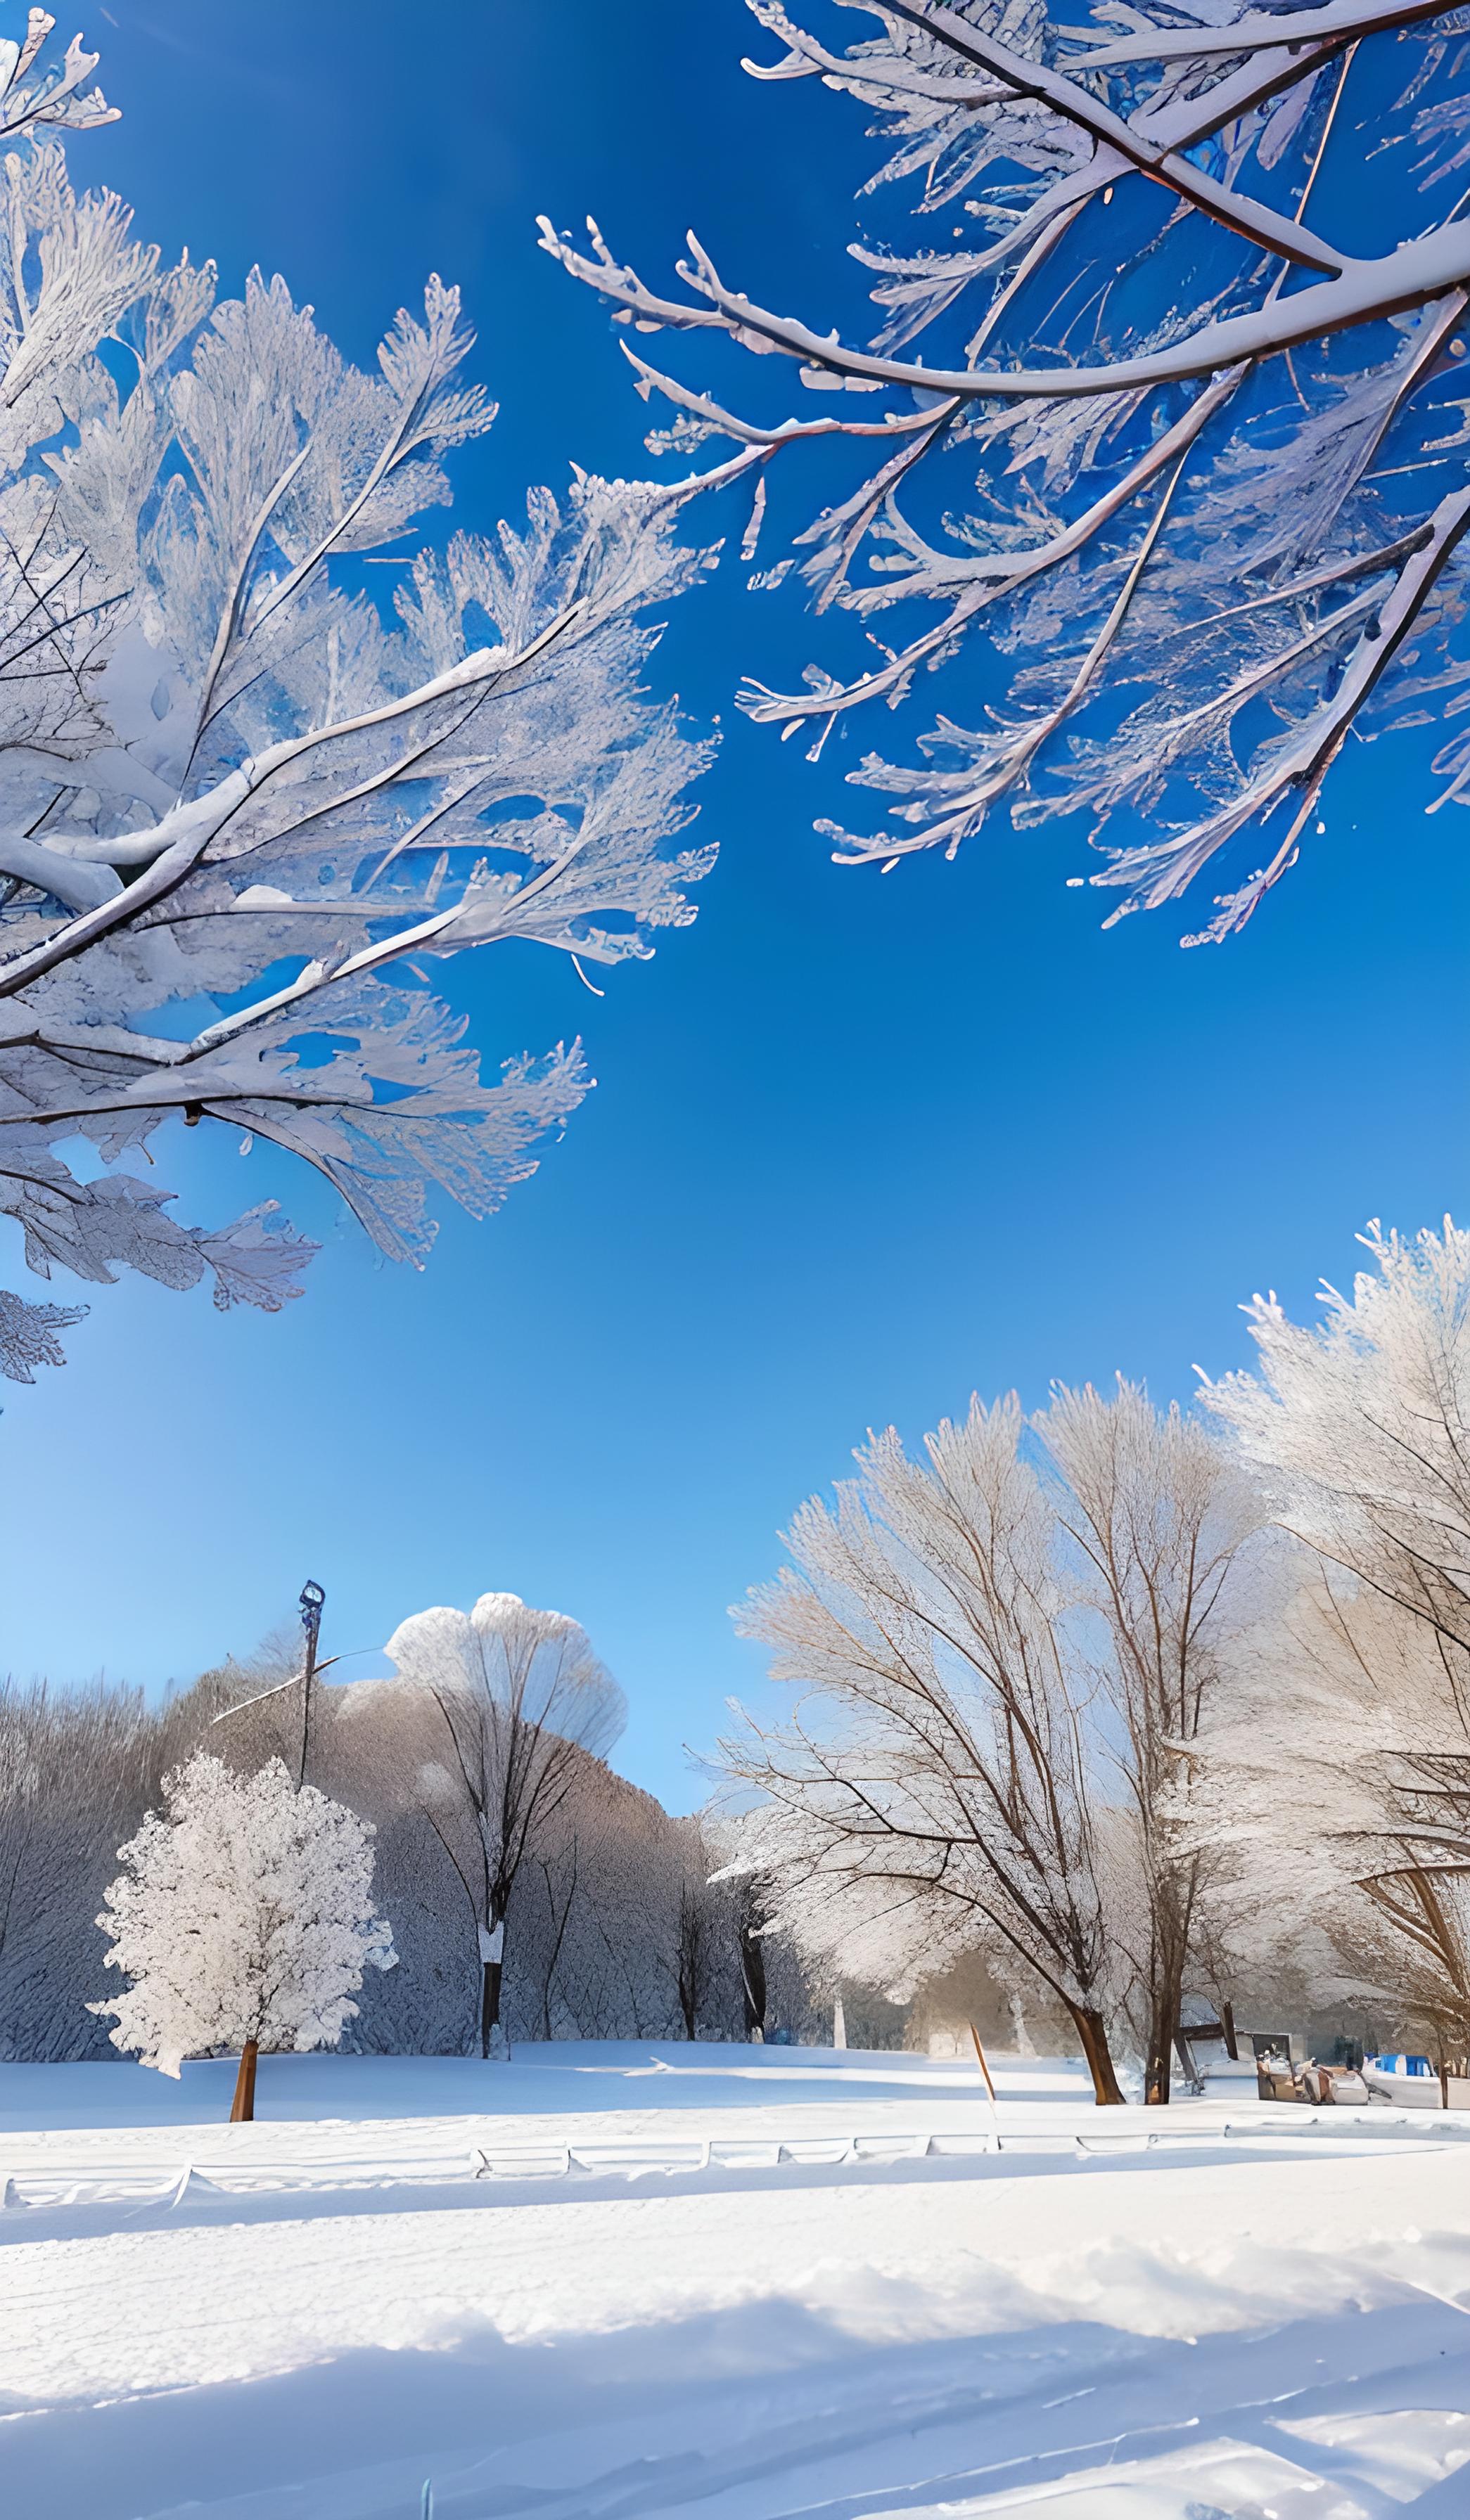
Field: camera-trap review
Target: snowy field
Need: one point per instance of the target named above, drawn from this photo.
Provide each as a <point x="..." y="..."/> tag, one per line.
<point x="599" y="2283"/>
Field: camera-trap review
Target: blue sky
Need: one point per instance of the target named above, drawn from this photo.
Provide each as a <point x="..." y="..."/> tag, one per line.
<point x="860" y="1145"/>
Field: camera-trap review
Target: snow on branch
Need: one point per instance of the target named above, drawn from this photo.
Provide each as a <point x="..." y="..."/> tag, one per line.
<point x="29" y="1334"/>
<point x="1173" y="491"/>
<point x="244" y="806"/>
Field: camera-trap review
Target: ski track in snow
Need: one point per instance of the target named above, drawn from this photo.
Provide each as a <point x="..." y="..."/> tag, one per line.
<point x="1259" y="2325"/>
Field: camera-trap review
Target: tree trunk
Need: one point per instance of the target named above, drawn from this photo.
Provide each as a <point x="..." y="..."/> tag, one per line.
<point x="489" y="2002"/>
<point x="244" y="2105"/>
<point x="1167" y="2003"/>
<point x="1156" y="2078"/>
<point x="1099" y="2056"/>
<point x="753" y="1981"/>
<point x="1227" y="2025"/>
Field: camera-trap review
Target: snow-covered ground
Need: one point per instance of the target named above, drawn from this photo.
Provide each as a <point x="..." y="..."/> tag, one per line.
<point x="603" y="2283"/>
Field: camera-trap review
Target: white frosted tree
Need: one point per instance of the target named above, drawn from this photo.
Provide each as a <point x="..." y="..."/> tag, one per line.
<point x="934" y="1791"/>
<point x="1359" y="1432"/>
<point x="1359" y="1428"/>
<point x="246" y="809"/>
<point x="524" y="1703"/>
<point x="1160" y="445"/>
<point x="243" y="1918"/>
<point x="1155" y="1516"/>
<point x="1330" y="1794"/>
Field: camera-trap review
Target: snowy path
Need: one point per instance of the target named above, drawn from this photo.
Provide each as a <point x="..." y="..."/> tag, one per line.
<point x="1268" y="2329"/>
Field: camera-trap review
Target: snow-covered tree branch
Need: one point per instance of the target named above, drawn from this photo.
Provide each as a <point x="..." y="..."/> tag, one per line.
<point x="1358" y="1429"/>
<point x="242" y="807"/>
<point x="1178" y="493"/>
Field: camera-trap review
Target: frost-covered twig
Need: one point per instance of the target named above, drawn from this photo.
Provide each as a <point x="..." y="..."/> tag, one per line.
<point x="1158" y="177"/>
<point x="226" y="775"/>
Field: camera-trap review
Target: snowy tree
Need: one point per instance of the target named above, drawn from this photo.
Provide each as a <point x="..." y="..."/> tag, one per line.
<point x="622" y="1929"/>
<point x="703" y="1931"/>
<point x="1331" y="1792"/>
<point x="559" y="1878"/>
<point x="1156" y="1515"/>
<point x="521" y="1696"/>
<point x="611" y="1943"/>
<point x="243" y="1918"/>
<point x="794" y="1930"/>
<point x="22" y="1718"/>
<point x="243" y="809"/>
<point x="934" y="1790"/>
<point x="762" y="1877"/>
<point x="1356" y="1429"/>
<point x="1178" y="470"/>
<point x="78" y="1768"/>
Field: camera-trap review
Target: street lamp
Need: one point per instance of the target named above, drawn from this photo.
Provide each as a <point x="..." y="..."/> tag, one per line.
<point x="312" y="1600"/>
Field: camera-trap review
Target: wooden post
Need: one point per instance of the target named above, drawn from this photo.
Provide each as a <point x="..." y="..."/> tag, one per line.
<point x="245" y="2084"/>
<point x="984" y="2067"/>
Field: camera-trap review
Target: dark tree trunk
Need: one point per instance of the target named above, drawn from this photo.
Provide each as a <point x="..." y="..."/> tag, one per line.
<point x="753" y="1980"/>
<point x="244" y="2105"/>
<point x="1167" y="2003"/>
<point x="489" y="2002"/>
<point x="1156" y="2073"/>
<point x="1227" y="2025"/>
<point x="1099" y="2056"/>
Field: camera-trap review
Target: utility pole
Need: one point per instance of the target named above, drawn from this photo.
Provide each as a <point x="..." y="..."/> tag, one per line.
<point x="312" y="1600"/>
